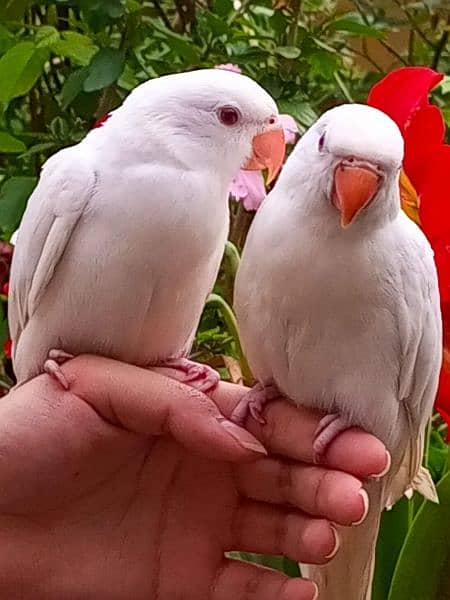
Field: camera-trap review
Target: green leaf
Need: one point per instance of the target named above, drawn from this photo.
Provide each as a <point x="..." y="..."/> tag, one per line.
<point x="445" y="85"/>
<point x="14" y="194"/>
<point x="353" y="24"/>
<point x="104" y="69"/>
<point x="10" y="144"/>
<point x="73" y="86"/>
<point x="424" y="562"/>
<point x="20" y="68"/>
<point x="6" y="39"/>
<point x="46" y="36"/>
<point x="181" y="45"/>
<point x="223" y="7"/>
<point x="13" y="10"/>
<point x="288" y="51"/>
<point x="38" y="149"/>
<point x="393" y="530"/>
<point x="75" y="46"/>
<point x="216" y="25"/>
<point x="4" y="332"/>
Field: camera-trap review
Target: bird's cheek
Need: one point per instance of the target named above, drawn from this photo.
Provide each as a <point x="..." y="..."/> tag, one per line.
<point x="354" y="187"/>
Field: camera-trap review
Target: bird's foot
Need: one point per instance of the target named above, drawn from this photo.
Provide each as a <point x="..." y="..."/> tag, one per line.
<point x="52" y="366"/>
<point x="327" y="430"/>
<point x="197" y="375"/>
<point x="253" y="403"/>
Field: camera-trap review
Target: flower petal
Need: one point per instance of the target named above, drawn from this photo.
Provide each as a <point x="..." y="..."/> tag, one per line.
<point x="290" y="128"/>
<point x="229" y="67"/>
<point x="248" y="187"/>
<point x="433" y="184"/>
<point x="403" y="91"/>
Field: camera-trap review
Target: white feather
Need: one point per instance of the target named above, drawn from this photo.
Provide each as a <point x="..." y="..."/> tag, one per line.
<point x="347" y="320"/>
<point x="122" y="239"/>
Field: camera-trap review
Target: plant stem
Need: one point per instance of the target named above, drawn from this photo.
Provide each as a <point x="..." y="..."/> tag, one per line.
<point x="440" y="46"/>
<point x="343" y="87"/>
<point x="216" y="301"/>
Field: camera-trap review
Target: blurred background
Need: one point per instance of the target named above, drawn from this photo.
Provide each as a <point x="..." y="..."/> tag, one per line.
<point x="65" y="64"/>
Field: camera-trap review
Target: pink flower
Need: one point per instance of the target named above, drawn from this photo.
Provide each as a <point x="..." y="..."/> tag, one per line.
<point x="248" y="186"/>
<point x="229" y="67"/>
<point x="290" y="128"/>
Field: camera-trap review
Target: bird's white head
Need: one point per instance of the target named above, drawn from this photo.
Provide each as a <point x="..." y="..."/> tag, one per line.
<point x="354" y="155"/>
<point x="209" y="117"/>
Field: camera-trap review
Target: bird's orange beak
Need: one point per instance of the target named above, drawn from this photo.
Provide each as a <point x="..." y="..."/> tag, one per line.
<point x="355" y="185"/>
<point x="269" y="149"/>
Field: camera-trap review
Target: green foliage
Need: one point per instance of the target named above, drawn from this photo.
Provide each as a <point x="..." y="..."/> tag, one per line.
<point x="66" y="63"/>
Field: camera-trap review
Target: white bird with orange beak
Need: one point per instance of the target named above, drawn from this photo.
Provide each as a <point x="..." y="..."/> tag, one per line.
<point x="338" y="307"/>
<point x="122" y="239"/>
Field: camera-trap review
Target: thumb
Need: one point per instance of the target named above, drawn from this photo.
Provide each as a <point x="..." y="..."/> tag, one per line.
<point x="149" y="403"/>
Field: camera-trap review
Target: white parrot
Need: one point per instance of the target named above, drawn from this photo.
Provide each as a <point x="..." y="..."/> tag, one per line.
<point x="338" y="307"/>
<point x="122" y="239"/>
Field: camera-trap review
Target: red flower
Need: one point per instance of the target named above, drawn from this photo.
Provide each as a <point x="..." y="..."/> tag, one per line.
<point x="5" y="288"/>
<point x="100" y="122"/>
<point x="7" y="348"/>
<point x="425" y="184"/>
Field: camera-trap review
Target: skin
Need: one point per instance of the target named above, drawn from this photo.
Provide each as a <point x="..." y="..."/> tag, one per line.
<point x="130" y="485"/>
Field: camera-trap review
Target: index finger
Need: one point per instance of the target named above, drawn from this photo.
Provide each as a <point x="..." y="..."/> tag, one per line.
<point x="289" y="432"/>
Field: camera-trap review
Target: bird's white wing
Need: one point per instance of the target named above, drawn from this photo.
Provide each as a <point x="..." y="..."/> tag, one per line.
<point x="421" y="331"/>
<point x="66" y="184"/>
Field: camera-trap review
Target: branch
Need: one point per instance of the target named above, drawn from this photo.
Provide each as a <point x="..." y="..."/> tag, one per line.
<point x="385" y="45"/>
<point x="162" y="14"/>
<point x="413" y="24"/>
<point x="440" y="46"/>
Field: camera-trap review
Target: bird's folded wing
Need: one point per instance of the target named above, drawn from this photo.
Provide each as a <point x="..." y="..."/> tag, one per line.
<point x="422" y="355"/>
<point x="67" y="182"/>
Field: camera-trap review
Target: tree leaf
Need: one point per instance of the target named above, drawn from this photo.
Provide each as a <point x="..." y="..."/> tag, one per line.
<point x="13" y="10"/>
<point x="288" y="51"/>
<point x="14" y="194"/>
<point x="73" y="86"/>
<point x="423" y="565"/>
<point x="352" y="24"/>
<point x="75" y="46"/>
<point x="46" y="35"/>
<point x="10" y="144"/>
<point x="104" y="69"/>
<point x="393" y="530"/>
<point x="20" y="68"/>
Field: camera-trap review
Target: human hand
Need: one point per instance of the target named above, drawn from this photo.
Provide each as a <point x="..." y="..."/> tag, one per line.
<point x="128" y="486"/>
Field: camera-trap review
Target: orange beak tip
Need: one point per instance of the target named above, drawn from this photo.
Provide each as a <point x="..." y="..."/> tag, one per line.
<point x="269" y="150"/>
<point x="354" y="188"/>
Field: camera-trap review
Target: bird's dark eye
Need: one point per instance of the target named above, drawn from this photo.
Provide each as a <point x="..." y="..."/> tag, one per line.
<point x="228" y="115"/>
<point x="322" y="142"/>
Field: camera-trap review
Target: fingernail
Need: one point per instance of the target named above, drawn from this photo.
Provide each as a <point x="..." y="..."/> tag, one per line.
<point x="386" y="468"/>
<point x="316" y="593"/>
<point x="243" y="437"/>
<point x="365" y="497"/>
<point x="337" y="543"/>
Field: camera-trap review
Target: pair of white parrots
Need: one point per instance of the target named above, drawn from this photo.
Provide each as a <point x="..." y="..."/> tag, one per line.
<point x="336" y="296"/>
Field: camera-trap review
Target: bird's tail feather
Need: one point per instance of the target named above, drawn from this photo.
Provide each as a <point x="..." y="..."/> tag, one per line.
<point x="349" y="575"/>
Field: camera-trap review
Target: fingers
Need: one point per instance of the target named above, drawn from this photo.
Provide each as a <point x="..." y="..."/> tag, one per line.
<point x="242" y="581"/>
<point x="320" y="492"/>
<point x="266" y="529"/>
<point x="289" y="431"/>
<point x="149" y="403"/>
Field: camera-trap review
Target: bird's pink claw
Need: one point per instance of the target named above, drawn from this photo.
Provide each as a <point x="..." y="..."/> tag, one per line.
<point x="253" y="403"/>
<point x="197" y="375"/>
<point x="52" y="366"/>
<point x="327" y="430"/>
